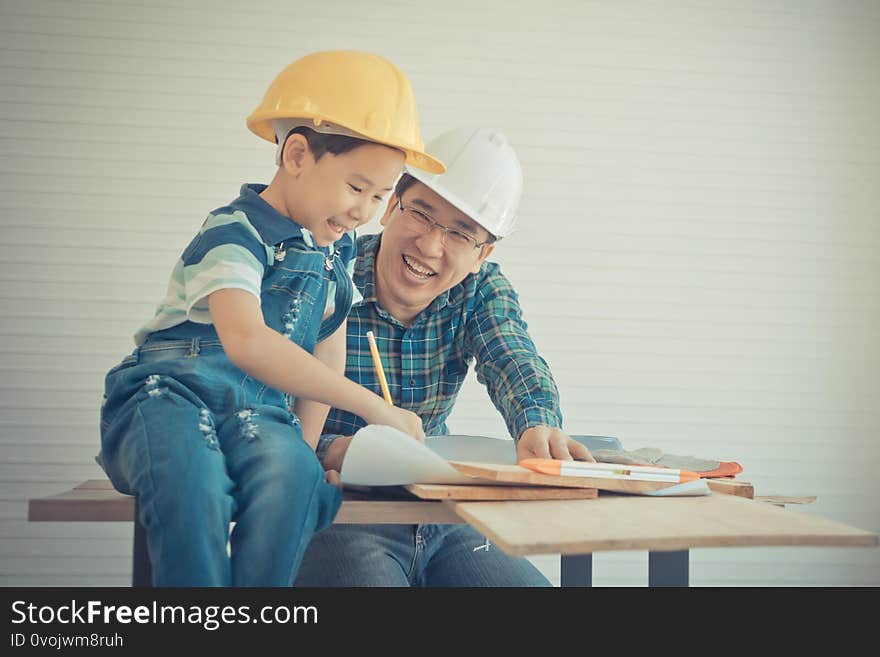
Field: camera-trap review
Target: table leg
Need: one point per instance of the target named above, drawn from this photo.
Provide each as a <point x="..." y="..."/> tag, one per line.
<point x="141" y="572"/>
<point x="668" y="568"/>
<point x="576" y="570"/>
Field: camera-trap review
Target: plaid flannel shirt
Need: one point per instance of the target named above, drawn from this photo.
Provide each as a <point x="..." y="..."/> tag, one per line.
<point x="425" y="364"/>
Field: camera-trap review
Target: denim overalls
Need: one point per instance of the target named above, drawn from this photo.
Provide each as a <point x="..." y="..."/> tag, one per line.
<point x="201" y="443"/>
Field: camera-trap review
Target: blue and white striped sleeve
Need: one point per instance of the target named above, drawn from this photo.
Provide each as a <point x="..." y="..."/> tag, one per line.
<point x="227" y="253"/>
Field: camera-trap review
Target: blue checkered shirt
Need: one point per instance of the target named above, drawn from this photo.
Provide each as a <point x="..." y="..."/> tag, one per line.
<point x="479" y="320"/>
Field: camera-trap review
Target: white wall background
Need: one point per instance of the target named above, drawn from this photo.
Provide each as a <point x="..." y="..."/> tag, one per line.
<point x="698" y="251"/>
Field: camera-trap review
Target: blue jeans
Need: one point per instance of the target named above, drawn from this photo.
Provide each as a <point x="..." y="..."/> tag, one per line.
<point x="200" y="444"/>
<point x="411" y="555"/>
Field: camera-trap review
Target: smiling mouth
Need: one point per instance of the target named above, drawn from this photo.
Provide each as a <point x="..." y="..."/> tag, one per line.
<point x="417" y="269"/>
<point x="337" y="227"/>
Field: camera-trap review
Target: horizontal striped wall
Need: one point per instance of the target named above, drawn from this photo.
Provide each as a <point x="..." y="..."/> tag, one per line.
<point x="697" y="254"/>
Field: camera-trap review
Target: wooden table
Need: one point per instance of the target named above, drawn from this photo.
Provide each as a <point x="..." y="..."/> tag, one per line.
<point x="666" y="527"/>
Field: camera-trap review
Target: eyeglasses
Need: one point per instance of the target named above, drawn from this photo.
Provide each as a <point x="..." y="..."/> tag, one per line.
<point x="453" y="239"/>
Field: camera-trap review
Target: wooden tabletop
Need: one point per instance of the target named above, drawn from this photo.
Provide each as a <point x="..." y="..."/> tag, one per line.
<point x="620" y="522"/>
<point x="97" y="501"/>
<point x="575" y="526"/>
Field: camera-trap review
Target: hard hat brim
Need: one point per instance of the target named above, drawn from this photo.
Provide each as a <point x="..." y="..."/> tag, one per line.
<point x="262" y="125"/>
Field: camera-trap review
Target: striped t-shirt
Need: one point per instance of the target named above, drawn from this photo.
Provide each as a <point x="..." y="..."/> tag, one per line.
<point x="231" y="250"/>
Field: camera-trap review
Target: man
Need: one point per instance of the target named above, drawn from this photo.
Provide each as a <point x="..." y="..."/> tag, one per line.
<point x="435" y="305"/>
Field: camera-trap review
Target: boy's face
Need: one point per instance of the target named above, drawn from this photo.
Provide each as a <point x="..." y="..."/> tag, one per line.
<point x="341" y="192"/>
<point x="414" y="267"/>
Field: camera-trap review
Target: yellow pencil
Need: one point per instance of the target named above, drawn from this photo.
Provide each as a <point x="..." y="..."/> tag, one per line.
<point x="378" y="363"/>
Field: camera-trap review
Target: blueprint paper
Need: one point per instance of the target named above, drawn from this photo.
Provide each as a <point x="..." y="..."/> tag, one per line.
<point x="384" y="456"/>
<point x="379" y="455"/>
<point x="474" y="448"/>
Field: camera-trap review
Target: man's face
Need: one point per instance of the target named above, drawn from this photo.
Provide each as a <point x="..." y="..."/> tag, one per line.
<point x="412" y="266"/>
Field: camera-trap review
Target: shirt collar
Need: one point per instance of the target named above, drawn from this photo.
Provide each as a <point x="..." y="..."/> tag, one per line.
<point x="272" y="226"/>
<point x="365" y="267"/>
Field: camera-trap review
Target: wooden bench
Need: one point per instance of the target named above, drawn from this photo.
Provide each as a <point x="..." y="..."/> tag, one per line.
<point x="97" y="501"/>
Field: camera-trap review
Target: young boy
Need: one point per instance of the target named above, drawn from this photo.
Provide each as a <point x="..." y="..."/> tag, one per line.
<point x="197" y="422"/>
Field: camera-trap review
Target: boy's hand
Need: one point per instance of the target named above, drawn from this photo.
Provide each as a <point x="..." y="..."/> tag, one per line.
<point x="550" y="443"/>
<point x="402" y="419"/>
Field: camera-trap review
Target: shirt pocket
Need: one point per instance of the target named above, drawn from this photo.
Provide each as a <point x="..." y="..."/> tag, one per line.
<point x="451" y="377"/>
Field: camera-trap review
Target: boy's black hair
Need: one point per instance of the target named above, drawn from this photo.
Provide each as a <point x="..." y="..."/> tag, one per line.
<point x="406" y="181"/>
<point x="320" y="143"/>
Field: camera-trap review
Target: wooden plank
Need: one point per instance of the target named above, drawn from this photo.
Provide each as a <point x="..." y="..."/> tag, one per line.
<point x="494" y="473"/>
<point x="782" y="500"/>
<point x="396" y="513"/>
<point x="731" y="487"/>
<point x="477" y="492"/>
<point x="618" y="522"/>
<point x="97" y="501"/>
<point x="519" y="475"/>
<point x="83" y="505"/>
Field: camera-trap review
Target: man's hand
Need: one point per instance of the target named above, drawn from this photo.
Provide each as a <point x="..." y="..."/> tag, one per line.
<point x="549" y="443"/>
<point x="336" y="453"/>
<point x="332" y="478"/>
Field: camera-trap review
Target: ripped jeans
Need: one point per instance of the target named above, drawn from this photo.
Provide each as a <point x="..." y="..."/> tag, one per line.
<point x="202" y="444"/>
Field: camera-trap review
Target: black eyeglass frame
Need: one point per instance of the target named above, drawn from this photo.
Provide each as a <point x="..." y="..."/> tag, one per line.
<point x="432" y="224"/>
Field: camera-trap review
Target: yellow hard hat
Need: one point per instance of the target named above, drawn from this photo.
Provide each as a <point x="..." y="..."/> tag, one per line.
<point x="346" y="92"/>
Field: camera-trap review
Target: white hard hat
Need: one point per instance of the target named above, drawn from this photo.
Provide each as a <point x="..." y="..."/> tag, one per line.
<point x="483" y="176"/>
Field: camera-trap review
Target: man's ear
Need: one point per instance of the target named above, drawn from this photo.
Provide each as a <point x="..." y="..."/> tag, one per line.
<point x="296" y="154"/>
<point x="486" y="250"/>
<point x="392" y="203"/>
